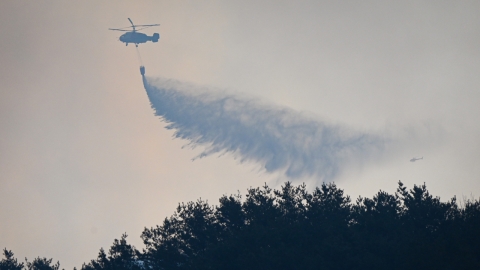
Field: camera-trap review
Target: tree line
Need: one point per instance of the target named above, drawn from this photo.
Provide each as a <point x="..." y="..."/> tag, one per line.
<point x="292" y="228"/>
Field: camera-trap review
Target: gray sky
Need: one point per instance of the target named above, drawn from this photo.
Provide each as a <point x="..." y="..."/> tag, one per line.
<point x="84" y="159"/>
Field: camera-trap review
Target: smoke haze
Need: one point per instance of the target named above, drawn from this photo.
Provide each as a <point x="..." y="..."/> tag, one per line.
<point x="277" y="138"/>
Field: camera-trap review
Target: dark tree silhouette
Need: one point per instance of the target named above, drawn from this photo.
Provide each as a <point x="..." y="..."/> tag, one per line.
<point x="292" y="228"/>
<point x="121" y="256"/>
<point x="42" y="264"/>
<point x="9" y="262"/>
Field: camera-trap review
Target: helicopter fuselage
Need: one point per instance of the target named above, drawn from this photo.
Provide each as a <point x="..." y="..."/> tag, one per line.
<point x="137" y="38"/>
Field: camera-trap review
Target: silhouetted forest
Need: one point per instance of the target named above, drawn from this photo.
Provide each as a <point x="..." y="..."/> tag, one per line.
<point x="292" y="228"/>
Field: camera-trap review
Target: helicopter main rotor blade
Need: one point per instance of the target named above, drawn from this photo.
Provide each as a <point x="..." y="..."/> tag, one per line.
<point x="123" y="27"/>
<point x="141" y="28"/>
<point x="142" y="25"/>
<point x="132" y="24"/>
<point x="132" y="28"/>
<point x="119" y="30"/>
<point x="147" y="25"/>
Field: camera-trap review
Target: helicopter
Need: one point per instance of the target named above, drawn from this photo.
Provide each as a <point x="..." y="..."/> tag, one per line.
<point x="415" y="159"/>
<point x="135" y="37"/>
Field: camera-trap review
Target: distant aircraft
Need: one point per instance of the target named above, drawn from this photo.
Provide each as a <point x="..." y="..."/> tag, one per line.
<point x="135" y="37"/>
<point x="415" y="159"/>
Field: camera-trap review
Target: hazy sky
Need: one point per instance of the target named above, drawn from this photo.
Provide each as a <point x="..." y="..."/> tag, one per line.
<point x="83" y="158"/>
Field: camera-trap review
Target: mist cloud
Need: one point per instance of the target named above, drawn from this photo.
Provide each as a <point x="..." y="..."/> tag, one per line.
<point x="279" y="139"/>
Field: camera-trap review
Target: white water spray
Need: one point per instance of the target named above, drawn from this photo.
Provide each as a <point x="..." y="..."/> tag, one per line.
<point x="277" y="138"/>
